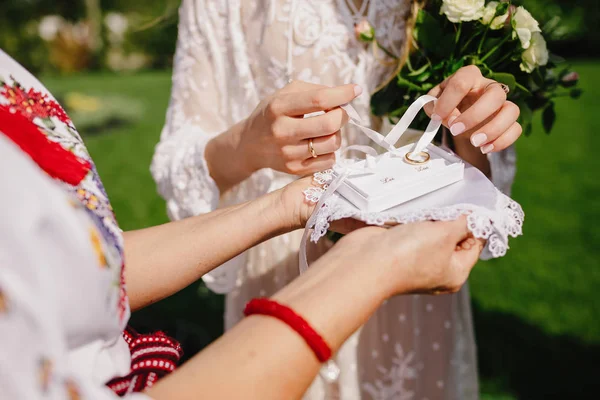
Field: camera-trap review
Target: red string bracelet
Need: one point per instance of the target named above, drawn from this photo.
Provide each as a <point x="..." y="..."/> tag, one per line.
<point x="263" y="306"/>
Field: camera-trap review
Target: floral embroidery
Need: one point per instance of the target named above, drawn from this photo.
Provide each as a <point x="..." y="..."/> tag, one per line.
<point x="123" y="299"/>
<point x="97" y="246"/>
<point x="45" y="369"/>
<point x="72" y="390"/>
<point x="394" y="380"/>
<point x="32" y="104"/>
<point x="88" y="199"/>
<point x="3" y="303"/>
<point x="51" y="119"/>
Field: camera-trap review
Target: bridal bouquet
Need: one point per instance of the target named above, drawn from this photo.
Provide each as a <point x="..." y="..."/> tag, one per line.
<point x="503" y="40"/>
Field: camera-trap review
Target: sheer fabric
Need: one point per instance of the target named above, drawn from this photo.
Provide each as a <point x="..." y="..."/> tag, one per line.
<point x="232" y="53"/>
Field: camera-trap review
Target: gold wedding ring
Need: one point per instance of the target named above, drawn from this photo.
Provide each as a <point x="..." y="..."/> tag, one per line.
<point x="417" y="159"/>
<point x="311" y="148"/>
<point x="502" y="85"/>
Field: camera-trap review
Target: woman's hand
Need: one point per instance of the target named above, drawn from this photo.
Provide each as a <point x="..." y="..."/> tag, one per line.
<point x="276" y="135"/>
<point x="475" y="108"/>
<point x="295" y="210"/>
<point x="425" y="257"/>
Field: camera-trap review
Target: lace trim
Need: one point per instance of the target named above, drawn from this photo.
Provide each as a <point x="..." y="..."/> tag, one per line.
<point x="182" y="175"/>
<point x="493" y="225"/>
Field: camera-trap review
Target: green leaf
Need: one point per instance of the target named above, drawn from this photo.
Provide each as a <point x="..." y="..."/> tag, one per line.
<point x="403" y="82"/>
<point x="549" y="117"/>
<point x="526" y="117"/>
<point x="502" y="8"/>
<point x="527" y="128"/>
<point x="456" y="66"/>
<point x="419" y="71"/>
<point x="428" y="33"/>
<point x="576" y="93"/>
<point x="507" y="79"/>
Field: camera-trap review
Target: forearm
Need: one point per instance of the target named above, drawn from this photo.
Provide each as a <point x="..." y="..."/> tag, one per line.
<point x="269" y="360"/>
<point x="225" y="161"/>
<point x="164" y="259"/>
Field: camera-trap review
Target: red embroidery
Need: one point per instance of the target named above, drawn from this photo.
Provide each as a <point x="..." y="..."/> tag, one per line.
<point x="32" y="103"/>
<point x="152" y="357"/>
<point x="58" y="162"/>
<point x="123" y="299"/>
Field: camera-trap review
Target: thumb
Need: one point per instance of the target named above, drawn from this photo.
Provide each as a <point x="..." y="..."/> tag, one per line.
<point x="465" y="257"/>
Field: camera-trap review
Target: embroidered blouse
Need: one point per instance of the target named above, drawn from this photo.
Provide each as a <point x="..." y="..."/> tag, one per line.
<point x="63" y="303"/>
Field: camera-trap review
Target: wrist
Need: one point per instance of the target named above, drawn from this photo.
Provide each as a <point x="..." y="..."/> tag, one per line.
<point x="227" y="162"/>
<point x="248" y="162"/>
<point x="332" y="298"/>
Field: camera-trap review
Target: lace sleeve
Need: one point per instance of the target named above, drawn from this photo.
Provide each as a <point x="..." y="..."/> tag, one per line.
<point x="197" y="112"/>
<point x="212" y="90"/>
<point x="504" y="167"/>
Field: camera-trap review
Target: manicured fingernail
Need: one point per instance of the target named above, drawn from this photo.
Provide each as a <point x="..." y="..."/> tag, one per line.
<point x="435" y="117"/>
<point x="487" y="148"/>
<point x="357" y="90"/>
<point x="478" y="139"/>
<point x="451" y="119"/>
<point x="457" y="128"/>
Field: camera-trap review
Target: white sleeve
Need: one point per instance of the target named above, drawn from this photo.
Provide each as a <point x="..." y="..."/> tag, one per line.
<point x="212" y="90"/>
<point x="193" y="118"/>
<point x="503" y="166"/>
<point x="41" y="240"/>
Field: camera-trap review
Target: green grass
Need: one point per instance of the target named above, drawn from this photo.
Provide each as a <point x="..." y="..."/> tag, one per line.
<point x="536" y="310"/>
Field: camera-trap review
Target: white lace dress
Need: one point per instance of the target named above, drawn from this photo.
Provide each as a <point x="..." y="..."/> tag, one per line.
<point x="230" y="54"/>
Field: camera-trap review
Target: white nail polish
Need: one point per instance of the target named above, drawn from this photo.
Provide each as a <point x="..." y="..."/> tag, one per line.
<point x="479" y="139"/>
<point x="487" y="148"/>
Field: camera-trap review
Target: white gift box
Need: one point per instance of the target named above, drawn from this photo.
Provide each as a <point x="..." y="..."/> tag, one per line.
<point x="395" y="181"/>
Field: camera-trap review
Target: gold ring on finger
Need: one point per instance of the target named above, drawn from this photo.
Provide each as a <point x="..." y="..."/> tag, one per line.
<point x="311" y="149"/>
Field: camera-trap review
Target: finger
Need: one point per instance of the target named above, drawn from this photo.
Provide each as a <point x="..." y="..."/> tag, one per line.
<point x="465" y="259"/>
<point x="300" y="86"/>
<point x="323" y="145"/>
<point x="500" y="123"/>
<point x="346" y="225"/>
<point x="485" y="107"/>
<point x="320" y="125"/>
<point x="429" y="107"/>
<point x="322" y="99"/>
<point x="455" y="89"/>
<point x="505" y="140"/>
<point x="320" y="163"/>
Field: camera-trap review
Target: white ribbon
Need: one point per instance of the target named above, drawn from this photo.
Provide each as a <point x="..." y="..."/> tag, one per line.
<point x="345" y="167"/>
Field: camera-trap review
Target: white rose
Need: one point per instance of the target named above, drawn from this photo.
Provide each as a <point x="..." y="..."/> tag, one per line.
<point x="463" y="10"/>
<point x="525" y="25"/>
<point x="489" y="16"/>
<point x="49" y="27"/>
<point x="536" y="55"/>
